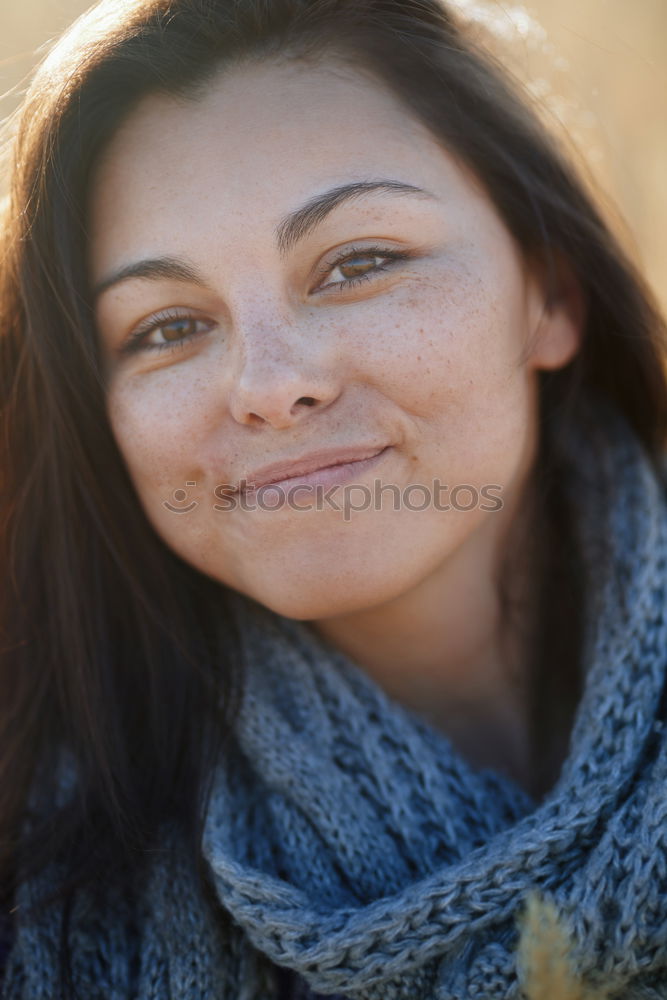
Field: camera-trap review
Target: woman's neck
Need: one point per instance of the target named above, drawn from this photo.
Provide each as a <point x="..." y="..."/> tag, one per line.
<point x="448" y="651"/>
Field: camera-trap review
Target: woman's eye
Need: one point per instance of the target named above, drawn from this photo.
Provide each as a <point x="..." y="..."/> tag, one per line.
<point x="358" y="266"/>
<point x="173" y="330"/>
<point x="166" y="332"/>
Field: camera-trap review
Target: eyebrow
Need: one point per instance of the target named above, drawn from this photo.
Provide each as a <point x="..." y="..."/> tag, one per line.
<point x="293" y="228"/>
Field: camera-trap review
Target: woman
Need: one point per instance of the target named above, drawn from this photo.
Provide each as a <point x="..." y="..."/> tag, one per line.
<point x="335" y="522"/>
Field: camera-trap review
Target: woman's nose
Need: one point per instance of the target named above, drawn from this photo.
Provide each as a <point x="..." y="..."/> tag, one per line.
<point x="281" y="377"/>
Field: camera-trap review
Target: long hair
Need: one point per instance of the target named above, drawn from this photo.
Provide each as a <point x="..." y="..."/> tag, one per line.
<point x="111" y="647"/>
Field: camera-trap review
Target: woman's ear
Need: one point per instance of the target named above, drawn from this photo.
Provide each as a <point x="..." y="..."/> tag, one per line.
<point x="558" y="328"/>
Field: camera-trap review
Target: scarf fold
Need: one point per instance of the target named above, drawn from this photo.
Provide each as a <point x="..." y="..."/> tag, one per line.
<point x="348" y="841"/>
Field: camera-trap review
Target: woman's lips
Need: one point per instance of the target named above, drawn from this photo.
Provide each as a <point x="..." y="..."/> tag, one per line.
<point x="324" y="477"/>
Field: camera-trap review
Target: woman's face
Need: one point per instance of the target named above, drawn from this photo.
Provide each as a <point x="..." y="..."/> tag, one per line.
<point x="289" y="312"/>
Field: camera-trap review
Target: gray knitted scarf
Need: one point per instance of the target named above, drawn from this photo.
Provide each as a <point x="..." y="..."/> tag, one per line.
<point x="348" y="841"/>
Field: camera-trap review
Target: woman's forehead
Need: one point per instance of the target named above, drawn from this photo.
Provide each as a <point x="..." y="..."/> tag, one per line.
<point x="261" y="140"/>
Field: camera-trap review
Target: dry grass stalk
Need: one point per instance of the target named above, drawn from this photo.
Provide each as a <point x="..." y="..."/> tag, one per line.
<point x="546" y="969"/>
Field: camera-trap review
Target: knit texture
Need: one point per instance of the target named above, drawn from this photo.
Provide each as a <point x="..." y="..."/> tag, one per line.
<point x="347" y="840"/>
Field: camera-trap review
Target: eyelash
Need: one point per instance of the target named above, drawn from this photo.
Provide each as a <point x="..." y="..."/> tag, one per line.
<point x="137" y="339"/>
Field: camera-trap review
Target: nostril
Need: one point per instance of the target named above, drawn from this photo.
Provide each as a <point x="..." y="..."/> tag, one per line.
<point x="306" y="400"/>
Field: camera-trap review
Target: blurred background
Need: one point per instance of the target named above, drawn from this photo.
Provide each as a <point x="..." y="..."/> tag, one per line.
<point x="598" y="69"/>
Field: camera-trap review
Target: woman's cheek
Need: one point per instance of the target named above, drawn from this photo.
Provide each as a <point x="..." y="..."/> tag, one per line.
<point x="152" y="438"/>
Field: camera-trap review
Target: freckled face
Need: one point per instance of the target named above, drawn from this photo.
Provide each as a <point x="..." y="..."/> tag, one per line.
<point x="398" y="318"/>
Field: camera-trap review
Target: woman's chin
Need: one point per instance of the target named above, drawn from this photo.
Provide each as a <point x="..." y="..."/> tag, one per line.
<point x="304" y="604"/>
<point x="334" y="590"/>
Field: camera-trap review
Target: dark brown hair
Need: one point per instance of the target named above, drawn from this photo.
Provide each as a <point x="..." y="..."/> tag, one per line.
<point x="111" y="647"/>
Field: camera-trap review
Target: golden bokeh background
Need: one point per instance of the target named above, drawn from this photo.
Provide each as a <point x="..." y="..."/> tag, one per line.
<point x="597" y="67"/>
